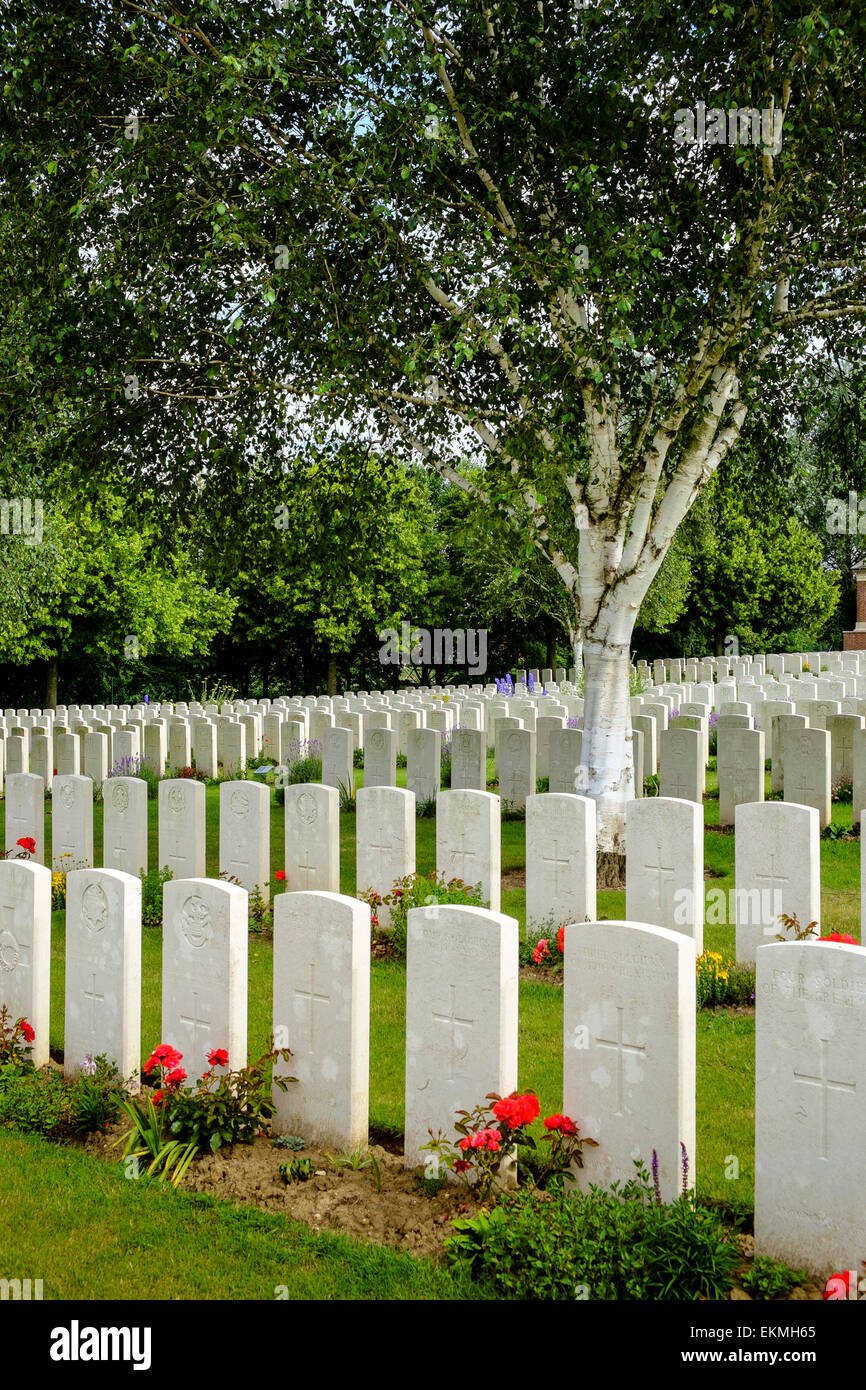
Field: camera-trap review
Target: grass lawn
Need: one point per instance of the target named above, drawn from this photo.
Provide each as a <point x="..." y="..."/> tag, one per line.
<point x="157" y="1243"/>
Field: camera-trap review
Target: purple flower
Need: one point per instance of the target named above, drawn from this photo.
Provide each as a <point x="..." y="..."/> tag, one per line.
<point x="574" y="722"/>
<point x="685" y="1167"/>
<point x="655" y="1168"/>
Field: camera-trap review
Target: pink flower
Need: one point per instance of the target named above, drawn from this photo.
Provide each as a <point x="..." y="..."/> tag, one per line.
<point x="541" y="950"/>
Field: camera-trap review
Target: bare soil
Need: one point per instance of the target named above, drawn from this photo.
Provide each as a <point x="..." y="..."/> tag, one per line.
<point x="399" y="1214"/>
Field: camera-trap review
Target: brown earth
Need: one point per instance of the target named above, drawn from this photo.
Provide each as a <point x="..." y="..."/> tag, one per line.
<point x="398" y="1214"/>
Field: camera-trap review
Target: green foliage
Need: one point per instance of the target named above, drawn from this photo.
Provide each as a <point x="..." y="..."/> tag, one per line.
<point x="297" y="1170"/>
<point x="152" y="884"/>
<point x="417" y="890"/>
<point x="772" y="1279"/>
<point x="303" y="763"/>
<point x="228" y="1109"/>
<point x="603" y="1245"/>
<point x="721" y="982"/>
<point x="289" y="1141"/>
<point x="47" y="1103"/>
<point x="358" y="757"/>
<point x="169" y="1159"/>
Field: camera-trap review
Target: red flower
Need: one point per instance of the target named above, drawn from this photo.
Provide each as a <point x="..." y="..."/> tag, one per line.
<point x="28" y="843"/>
<point x="175" y="1077"/>
<point x="158" y="1097"/>
<point x="219" y="1057"/>
<point x="560" y="940"/>
<point x="398" y="892"/>
<point x="461" y="1165"/>
<point x="280" y="876"/>
<point x="540" y="951"/>
<point x="561" y="1122"/>
<point x="163" y="1056"/>
<point x="516" y="1111"/>
<point x="374" y="920"/>
<point x="465" y="1143"/>
<point x="840" y="936"/>
<point x="26" y="1031"/>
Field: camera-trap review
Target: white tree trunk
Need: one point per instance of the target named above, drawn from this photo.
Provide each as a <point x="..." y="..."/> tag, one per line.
<point x="606" y="770"/>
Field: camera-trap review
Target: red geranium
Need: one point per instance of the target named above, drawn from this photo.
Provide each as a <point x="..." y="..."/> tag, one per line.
<point x="280" y="876"/>
<point x="461" y="1165"/>
<point x="219" y="1057"/>
<point x="28" y="843"/>
<point x="840" y="936"/>
<point x="561" y="1122"/>
<point x="163" y="1056"/>
<point x="560" y="940"/>
<point x="27" y="1032"/>
<point x="175" y="1077"/>
<point x="516" y="1111"/>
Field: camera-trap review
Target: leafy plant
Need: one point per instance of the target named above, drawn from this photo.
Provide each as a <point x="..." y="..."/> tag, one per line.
<point x="496" y="1145"/>
<point x="15" y="1040"/>
<point x="415" y="890"/>
<point x="229" y="1108"/>
<point x="348" y="804"/>
<point x="721" y="982"/>
<point x="834" y="831"/>
<point x="356" y="1159"/>
<point x="772" y="1279"/>
<point x="358" y="757"/>
<point x="152" y="884"/>
<point x="303" y="763"/>
<point x="617" y="1244"/>
<point x="792" y="924"/>
<point x="426" y="808"/>
<point x="289" y="1141"/>
<point x="297" y="1170"/>
<point x="651" y="785"/>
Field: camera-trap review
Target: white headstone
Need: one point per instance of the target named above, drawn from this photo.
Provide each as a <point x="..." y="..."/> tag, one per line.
<point x="312" y="838"/>
<point x="740" y="768"/>
<point x="560" y="861"/>
<point x="72" y="823"/>
<point x="468" y="841"/>
<point x="245" y="835"/>
<point x="810" y="1105"/>
<point x="461" y="1016"/>
<point x="181" y="812"/>
<point x="204" y="971"/>
<point x="385" y="840"/>
<point x="25" y="948"/>
<point x="629" y="1037"/>
<point x="424" y="763"/>
<point x="322" y="1008"/>
<point x="124" y="825"/>
<point x="103" y="970"/>
<point x="806" y="757"/>
<point x="664" y="876"/>
<point x="777" y="849"/>
<point x="25" y="812"/>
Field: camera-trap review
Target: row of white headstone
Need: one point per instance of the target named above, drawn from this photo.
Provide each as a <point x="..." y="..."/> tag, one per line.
<point x="777" y="848"/>
<point x="629" y="1031"/>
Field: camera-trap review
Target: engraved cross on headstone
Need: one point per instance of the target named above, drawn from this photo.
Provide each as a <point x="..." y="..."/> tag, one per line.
<point x="314" y="999"/>
<point x="556" y="862"/>
<point x="825" y="1084"/>
<point x="454" y="1023"/>
<point x="659" y="869"/>
<point x="774" y="878"/>
<point x="92" y="995"/>
<point x="620" y="1047"/>
<point x="195" y="1023"/>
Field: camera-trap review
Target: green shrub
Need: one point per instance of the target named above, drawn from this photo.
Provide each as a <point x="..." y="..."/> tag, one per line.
<point x="771" y="1279"/>
<point x="722" y="982"/>
<point x="151" y="895"/>
<point x="600" y="1245"/>
<point x="416" y="890"/>
<point x="46" y="1103"/>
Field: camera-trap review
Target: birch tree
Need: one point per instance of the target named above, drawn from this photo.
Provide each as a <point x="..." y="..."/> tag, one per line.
<point x="573" y="242"/>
